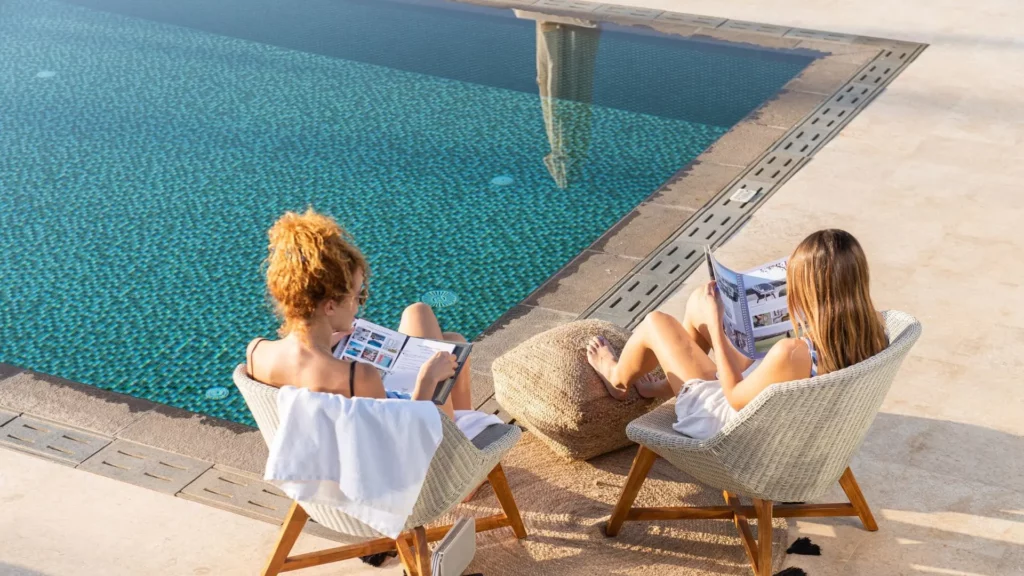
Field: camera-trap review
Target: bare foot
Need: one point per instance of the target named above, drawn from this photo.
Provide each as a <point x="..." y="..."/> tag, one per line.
<point x="650" y="382"/>
<point x="603" y="359"/>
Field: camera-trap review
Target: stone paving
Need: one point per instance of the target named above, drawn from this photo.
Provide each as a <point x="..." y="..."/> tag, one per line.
<point x="924" y="177"/>
<point x="927" y="177"/>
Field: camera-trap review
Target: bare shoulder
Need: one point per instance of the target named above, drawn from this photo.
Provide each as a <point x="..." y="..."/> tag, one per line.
<point x="788" y="347"/>
<point x="263" y="343"/>
<point x="790" y="356"/>
<point x="365" y="371"/>
<point x="368" y="383"/>
<point x="252" y="345"/>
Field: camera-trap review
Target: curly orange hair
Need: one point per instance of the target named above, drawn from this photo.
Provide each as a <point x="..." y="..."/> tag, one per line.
<point x="312" y="259"/>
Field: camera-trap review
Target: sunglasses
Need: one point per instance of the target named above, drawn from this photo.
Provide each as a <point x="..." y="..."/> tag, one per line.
<point x="364" y="295"/>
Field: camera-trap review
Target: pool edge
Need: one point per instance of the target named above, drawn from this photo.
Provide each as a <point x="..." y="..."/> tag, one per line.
<point x="235" y="450"/>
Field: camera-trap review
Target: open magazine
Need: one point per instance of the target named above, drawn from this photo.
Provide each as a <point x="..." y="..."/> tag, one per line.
<point x="755" y="308"/>
<point x="398" y="356"/>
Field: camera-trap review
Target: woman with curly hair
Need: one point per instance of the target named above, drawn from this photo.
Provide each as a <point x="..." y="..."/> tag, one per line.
<point x="318" y="281"/>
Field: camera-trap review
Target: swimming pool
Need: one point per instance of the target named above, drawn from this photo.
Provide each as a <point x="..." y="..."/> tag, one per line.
<point x="145" y="148"/>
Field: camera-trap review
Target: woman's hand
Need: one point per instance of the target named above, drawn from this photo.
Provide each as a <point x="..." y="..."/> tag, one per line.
<point x="440" y="367"/>
<point x="712" y="306"/>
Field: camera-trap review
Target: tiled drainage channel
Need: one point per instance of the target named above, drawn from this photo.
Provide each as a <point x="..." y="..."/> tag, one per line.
<point x="657" y="277"/>
<point x="144" y="466"/>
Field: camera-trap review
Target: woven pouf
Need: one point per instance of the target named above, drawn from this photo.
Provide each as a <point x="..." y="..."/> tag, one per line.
<point x="548" y="386"/>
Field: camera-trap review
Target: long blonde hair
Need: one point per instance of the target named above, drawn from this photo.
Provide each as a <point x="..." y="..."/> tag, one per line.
<point x="830" y="299"/>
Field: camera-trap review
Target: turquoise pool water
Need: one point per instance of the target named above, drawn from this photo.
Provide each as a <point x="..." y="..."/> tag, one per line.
<point x="146" y="147"/>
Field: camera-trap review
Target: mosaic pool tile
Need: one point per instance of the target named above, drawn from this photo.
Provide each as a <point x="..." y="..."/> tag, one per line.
<point x="141" y="164"/>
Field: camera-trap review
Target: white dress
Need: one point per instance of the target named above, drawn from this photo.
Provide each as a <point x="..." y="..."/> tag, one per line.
<point x="702" y="409"/>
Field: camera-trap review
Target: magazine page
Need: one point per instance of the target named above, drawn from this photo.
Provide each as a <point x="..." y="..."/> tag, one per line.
<point x="766" y="297"/>
<point x="373" y="344"/>
<point x="415" y="354"/>
<point x="398" y="357"/>
<point x="417" y="351"/>
<point x="728" y="283"/>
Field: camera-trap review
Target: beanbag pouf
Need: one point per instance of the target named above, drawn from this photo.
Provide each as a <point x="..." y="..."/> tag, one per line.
<point x="548" y="386"/>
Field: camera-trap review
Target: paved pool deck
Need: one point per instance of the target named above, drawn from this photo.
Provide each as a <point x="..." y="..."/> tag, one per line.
<point x="928" y="177"/>
<point x="925" y="178"/>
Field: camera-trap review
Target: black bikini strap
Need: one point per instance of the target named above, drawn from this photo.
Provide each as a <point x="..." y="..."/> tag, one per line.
<point x="252" y="370"/>
<point x="352" y="380"/>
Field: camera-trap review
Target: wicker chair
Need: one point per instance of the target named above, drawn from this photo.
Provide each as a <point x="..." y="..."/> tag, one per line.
<point x="458" y="467"/>
<point x="791" y="444"/>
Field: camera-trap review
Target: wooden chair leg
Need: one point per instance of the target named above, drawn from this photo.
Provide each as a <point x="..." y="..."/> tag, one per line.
<point x="290" y="531"/>
<point x="764" y="536"/>
<point x="508" y="502"/>
<point x="739" y="518"/>
<point x="852" y="489"/>
<point x="642" y="463"/>
<point x="405" y="556"/>
<point x="422" y="552"/>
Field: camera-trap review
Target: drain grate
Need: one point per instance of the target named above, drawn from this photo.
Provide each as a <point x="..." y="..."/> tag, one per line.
<point x="50" y="440"/>
<point x="6" y="416"/>
<point x="691" y="20"/>
<point x="217" y="393"/>
<point x="629" y="12"/>
<point x="661" y="273"/>
<point x="439" y="298"/>
<point x="821" y="35"/>
<point x="238" y="493"/>
<point x="755" y="27"/>
<point x="144" y="466"/>
<point x="571" y="5"/>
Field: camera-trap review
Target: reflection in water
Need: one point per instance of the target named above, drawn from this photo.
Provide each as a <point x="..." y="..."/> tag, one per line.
<point x="566" y="54"/>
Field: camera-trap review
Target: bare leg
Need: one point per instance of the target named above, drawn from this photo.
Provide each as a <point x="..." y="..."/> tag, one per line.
<point x="419" y="320"/>
<point x="696" y="326"/>
<point x="659" y="340"/>
<point x="461" y="397"/>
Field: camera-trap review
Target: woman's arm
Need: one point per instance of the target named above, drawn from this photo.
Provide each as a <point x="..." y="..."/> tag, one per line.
<point x="730" y="372"/>
<point x="440" y="367"/>
<point x="368" y="381"/>
<point x="782" y="364"/>
<point x="787" y="360"/>
<point x="730" y="363"/>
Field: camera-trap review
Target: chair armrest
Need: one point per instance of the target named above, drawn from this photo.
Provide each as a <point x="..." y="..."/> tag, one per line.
<point x="497" y="439"/>
<point x="655" y="431"/>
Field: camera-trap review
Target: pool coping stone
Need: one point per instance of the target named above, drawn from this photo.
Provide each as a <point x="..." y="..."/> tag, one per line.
<point x="145" y="466"/>
<point x="51" y="440"/>
<point x="226" y="448"/>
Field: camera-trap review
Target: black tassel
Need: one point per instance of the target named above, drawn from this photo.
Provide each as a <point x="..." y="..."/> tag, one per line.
<point x="805" y="547"/>
<point x="377" y="560"/>
<point x="791" y="571"/>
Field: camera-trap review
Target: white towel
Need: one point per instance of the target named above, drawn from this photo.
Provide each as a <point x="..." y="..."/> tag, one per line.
<point x="367" y="457"/>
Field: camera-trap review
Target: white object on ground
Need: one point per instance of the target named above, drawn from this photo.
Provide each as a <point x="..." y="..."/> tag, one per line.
<point x="454" y="553"/>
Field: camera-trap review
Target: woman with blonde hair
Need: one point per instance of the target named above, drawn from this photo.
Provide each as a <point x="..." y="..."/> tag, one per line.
<point x="829" y="302"/>
<point x="318" y="280"/>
